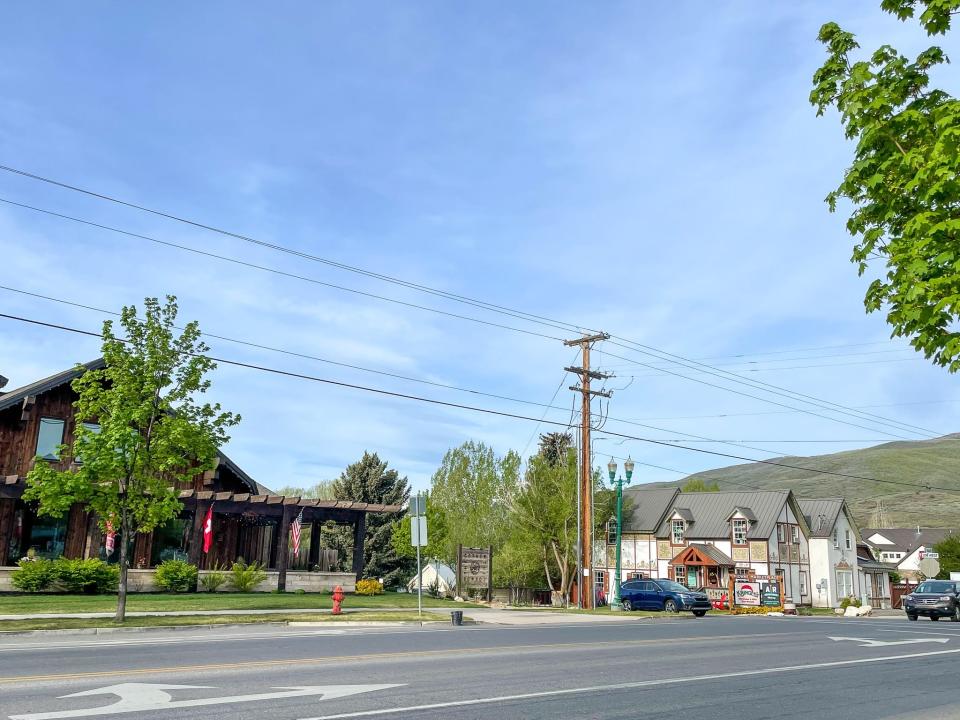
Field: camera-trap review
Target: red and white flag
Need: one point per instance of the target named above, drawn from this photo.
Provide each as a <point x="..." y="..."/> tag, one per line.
<point x="208" y="530"/>
<point x="111" y="539"/>
<point x="295" y="529"/>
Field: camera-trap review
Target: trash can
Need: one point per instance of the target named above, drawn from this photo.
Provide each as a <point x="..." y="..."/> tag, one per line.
<point x="456" y="617"/>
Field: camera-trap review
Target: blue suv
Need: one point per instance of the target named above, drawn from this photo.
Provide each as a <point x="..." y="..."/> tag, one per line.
<point x="663" y="595"/>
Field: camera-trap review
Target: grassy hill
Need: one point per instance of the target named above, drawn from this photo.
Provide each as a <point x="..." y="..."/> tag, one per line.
<point x="934" y="462"/>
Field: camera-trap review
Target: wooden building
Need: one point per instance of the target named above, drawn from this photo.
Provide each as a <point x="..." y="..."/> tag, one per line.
<point x="249" y="521"/>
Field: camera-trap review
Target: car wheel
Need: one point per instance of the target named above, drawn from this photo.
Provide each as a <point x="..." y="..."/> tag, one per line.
<point x="956" y="614"/>
<point x="934" y="618"/>
<point x="626" y="604"/>
<point x="699" y="613"/>
<point x="912" y="618"/>
<point x="670" y="606"/>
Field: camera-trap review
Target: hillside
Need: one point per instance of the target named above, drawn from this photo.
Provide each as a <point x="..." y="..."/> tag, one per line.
<point x="934" y="462"/>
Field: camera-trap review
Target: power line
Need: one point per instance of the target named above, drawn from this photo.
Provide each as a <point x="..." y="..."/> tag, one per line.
<point x="298" y="253"/>
<point x="761" y="399"/>
<point x="792" y="367"/>
<point x="550" y="406"/>
<point x="276" y="271"/>
<point x="420" y="307"/>
<point x="764" y="386"/>
<point x="489" y="411"/>
<point x="530" y="317"/>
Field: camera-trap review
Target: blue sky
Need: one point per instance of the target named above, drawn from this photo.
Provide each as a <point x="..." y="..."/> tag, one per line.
<point x="654" y="172"/>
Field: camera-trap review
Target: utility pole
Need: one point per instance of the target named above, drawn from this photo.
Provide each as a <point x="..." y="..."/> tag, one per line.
<point x="585" y="494"/>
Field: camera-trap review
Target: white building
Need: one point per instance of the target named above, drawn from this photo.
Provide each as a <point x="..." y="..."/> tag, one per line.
<point x="835" y="566"/>
<point x="904" y="548"/>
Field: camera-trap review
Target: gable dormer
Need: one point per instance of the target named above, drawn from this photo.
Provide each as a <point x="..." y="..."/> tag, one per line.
<point x="741" y="519"/>
<point x="680" y="520"/>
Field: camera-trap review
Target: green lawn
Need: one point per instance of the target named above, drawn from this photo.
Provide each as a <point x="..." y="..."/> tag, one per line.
<point x="33" y="604"/>
<point x="165" y="621"/>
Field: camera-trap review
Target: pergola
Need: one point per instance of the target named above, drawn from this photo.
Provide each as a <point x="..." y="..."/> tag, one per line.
<point x="284" y="510"/>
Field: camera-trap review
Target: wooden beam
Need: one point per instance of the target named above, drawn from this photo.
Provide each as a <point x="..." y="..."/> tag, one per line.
<point x="359" y="534"/>
<point x="314" y="545"/>
<point x="7" y="509"/>
<point x="283" y="549"/>
<point x="195" y="546"/>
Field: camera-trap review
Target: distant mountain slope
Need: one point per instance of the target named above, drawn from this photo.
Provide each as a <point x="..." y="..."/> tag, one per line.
<point x="934" y="462"/>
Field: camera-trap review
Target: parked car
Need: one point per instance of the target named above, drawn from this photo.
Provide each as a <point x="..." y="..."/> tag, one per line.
<point x="664" y="595"/>
<point x="934" y="599"/>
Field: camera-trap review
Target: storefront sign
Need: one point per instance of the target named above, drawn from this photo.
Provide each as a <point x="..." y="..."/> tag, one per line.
<point x="746" y="593"/>
<point x="770" y="594"/>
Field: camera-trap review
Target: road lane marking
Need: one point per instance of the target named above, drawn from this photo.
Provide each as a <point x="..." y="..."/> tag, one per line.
<point x="623" y="686"/>
<point x="868" y="642"/>
<point x="6" y="680"/>
<point x="138" y="697"/>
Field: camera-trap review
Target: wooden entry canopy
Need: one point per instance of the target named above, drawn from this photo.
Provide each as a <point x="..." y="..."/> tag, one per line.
<point x="705" y="555"/>
<point x="284" y="510"/>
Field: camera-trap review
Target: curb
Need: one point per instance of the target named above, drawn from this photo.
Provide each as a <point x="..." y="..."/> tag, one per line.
<point x="154" y="628"/>
<point x="218" y="626"/>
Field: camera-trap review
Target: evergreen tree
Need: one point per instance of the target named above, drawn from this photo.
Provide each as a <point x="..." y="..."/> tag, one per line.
<point x="369" y="481"/>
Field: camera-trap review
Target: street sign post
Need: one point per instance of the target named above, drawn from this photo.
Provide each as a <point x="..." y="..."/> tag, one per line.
<point x="418" y="538"/>
<point x="930" y="567"/>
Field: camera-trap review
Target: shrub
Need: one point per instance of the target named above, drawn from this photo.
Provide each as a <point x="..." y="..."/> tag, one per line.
<point x="213" y="579"/>
<point x="848" y="601"/>
<point x="85" y="576"/>
<point x="34" y="575"/>
<point x="244" y="577"/>
<point x="176" y="576"/>
<point x="369" y="586"/>
<point x="749" y="610"/>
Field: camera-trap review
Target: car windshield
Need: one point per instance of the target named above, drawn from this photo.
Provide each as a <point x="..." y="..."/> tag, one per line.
<point x="935" y="587"/>
<point x="672" y="586"/>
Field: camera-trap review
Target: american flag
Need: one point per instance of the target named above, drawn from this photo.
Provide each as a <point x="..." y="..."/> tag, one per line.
<point x="295" y="529"/>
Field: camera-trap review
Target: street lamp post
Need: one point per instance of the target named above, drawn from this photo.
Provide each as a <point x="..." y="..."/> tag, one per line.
<point x="628" y="471"/>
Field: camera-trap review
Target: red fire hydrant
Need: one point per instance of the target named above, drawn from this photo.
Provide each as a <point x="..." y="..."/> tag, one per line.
<point x="337" y="599"/>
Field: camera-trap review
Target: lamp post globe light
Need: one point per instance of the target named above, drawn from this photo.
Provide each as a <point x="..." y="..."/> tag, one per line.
<point x="618" y="482"/>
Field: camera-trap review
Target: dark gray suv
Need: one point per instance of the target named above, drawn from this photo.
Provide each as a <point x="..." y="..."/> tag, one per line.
<point x="934" y="599"/>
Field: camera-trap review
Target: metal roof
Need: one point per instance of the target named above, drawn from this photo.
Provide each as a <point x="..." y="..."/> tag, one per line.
<point x="649" y="507"/>
<point x="907" y="539"/>
<point x="711" y="512"/>
<point x="821" y="514"/>
<point x="710" y="551"/>
<point x="13" y="397"/>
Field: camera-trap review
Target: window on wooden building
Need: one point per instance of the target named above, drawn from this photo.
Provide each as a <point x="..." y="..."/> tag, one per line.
<point x="739" y="531"/>
<point x="50" y="438"/>
<point x="677" y="534"/>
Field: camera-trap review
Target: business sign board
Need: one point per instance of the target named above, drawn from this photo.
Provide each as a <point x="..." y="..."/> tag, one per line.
<point x="746" y="593"/>
<point x="474" y="568"/>
<point x="770" y="594"/>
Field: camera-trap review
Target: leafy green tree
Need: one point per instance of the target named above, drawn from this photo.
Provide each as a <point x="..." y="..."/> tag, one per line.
<point x="699" y="485"/>
<point x="153" y="434"/>
<point x="546" y="512"/>
<point x="903" y="184"/>
<point x="369" y="481"/>
<point x="473" y="489"/>
<point x="949" y="550"/>
<point x="437" y="544"/>
<point x="323" y="490"/>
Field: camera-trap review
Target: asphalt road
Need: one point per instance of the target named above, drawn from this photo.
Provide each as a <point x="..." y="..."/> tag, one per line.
<point x="748" y="667"/>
